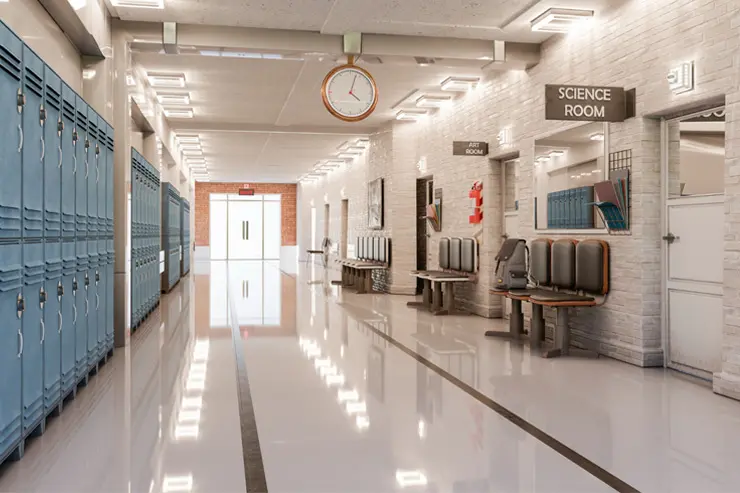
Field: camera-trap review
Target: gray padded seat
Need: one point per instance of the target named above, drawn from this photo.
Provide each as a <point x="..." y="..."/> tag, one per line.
<point x="539" y="261"/>
<point x="360" y="247"/>
<point x="564" y="264"/>
<point x="591" y="257"/>
<point x="456" y="254"/>
<point x="444" y="253"/>
<point x="382" y="250"/>
<point x="376" y="248"/>
<point x="367" y="247"/>
<point x="556" y="297"/>
<point x="469" y="255"/>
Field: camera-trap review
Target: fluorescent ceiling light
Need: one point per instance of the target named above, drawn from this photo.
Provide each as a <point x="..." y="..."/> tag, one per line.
<point x="347" y="155"/>
<point x="459" y="84"/>
<point x="560" y="20"/>
<point x="160" y="79"/>
<point x="347" y="395"/>
<point x="556" y="153"/>
<point x="433" y="101"/>
<point x="192" y="152"/>
<point x="362" y="422"/>
<point x="364" y="143"/>
<point x="183" y="98"/>
<point x="139" y="4"/>
<point x="192" y="402"/>
<point x="188" y="139"/>
<point x="130" y="80"/>
<point x="597" y="136"/>
<point x="183" y="432"/>
<point x="89" y="73"/>
<point x="356" y="407"/>
<point x="76" y="4"/>
<point x="343" y="147"/>
<point x="178" y="113"/>
<point x="336" y="162"/>
<point x="409" y="115"/>
<point x="410" y="478"/>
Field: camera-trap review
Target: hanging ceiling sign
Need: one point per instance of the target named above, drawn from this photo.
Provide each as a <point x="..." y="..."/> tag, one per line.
<point x="246" y="191"/>
<point x="470" y="148"/>
<point x="587" y="103"/>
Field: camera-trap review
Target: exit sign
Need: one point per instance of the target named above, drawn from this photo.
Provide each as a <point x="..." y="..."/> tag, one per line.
<point x="246" y="191"/>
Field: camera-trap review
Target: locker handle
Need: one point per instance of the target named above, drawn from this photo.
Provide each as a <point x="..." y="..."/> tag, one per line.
<point x="61" y="321"/>
<point x="43" y="330"/>
<point x="20" y="341"/>
<point x="97" y="173"/>
<point x="87" y="307"/>
<point x="97" y="302"/>
<point x="87" y="168"/>
<point x="43" y="149"/>
<point x="74" y="171"/>
<point x="20" y="143"/>
<point x="74" y="320"/>
<point x="60" y="157"/>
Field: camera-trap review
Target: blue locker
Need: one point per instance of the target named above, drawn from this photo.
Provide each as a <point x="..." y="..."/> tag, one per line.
<point x="109" y="179"/>
<point x="79" y="292"/>
<point x="34" y="148"/>
<point x="588" y="207"/>
<point x="53" y="323"/>
<point x="11" y="135"/>
<point x="101" y="299"/>
<point x="93" y="172"/>
<point x="109" y="295"/>
<point x="69" y="317"/>
<point x="571" y="207"/>
<point x="34" y="332"/>
<point x="82" y="170"/>
<point x="11" y="345"/>
<point x="101" y="177"/>
<point x="577" y="202"/>
<point x="69" y="161"/>
<point x="92" y="302"/>
<point x="53" y="155"/>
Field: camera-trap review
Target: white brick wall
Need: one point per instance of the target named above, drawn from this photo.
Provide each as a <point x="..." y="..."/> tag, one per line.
<point x="633" y="46"/>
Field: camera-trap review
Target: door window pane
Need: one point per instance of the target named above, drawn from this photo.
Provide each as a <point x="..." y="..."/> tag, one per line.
<point x="245" y="230"/>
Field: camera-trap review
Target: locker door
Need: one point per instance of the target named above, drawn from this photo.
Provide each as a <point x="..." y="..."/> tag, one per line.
<point x="53" y="154"/>
<point x="53" y="324"/>
<point x="109" y="296"/>
<point x="101" y="174"/>
<point x="101" y="299"/>
<point x="11" y="345"/>
<point x="82" y="171"/>
<point x="34" y="333"/>
<point x="34" y="149"/>
<point x="109" y="180"/>
<point x="91" y="310"/>
<point x="93" y="172"/>
<point x="69" y="162"/>
<point x="69" y="317"/>
<point x="79" y="290"/>
<point x="11" y="135"/>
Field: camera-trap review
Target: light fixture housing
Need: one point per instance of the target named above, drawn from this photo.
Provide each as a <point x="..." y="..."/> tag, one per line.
<point x="139" y="4"/>
<point x="459" y="84"/>
<point x="432" y="101"/>
<point x="179" y="112"/>
<point x="558" y="20"/>
<point x="163" y="79"/>
<point x="172" y="98"/>
<point x="347" y="155"/>
<point x="556" y="153"/>
<point x="410" y="115"/>
<point x="188" y="139"/>
<point x="597" y="136"/>
<point x="364" y="143"/>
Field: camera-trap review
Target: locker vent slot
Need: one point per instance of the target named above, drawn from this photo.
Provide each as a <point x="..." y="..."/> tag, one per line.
<point x="34" y="82"/>
<point x="68" y="110"/>
<point x="10" y="63"/>
<point x="11" y="277"/>
<point x="53" y="97"/>
<point x="81" y="120"/>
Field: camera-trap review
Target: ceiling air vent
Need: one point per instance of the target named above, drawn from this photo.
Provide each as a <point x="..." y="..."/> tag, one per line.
<point x="423" y="61"/>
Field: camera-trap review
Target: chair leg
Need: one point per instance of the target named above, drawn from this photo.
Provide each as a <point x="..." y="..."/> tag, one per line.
<point x="516" y="323"/>
<point x="361" y="274"/>
<point x="437" y="298"/>
<point x="537" y="329"/>
<point x="368" y="281"/>
<point x="561" y="339"/>
<point x="426" y="297"/>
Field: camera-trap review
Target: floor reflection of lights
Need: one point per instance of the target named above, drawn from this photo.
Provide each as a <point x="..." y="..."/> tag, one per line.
<point x="347" y="397"/>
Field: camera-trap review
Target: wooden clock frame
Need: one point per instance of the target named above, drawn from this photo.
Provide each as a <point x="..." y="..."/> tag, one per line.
<point x="328" y="105"/>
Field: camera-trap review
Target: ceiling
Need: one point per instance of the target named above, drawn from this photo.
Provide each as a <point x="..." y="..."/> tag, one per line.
<point x="263" y="119"/>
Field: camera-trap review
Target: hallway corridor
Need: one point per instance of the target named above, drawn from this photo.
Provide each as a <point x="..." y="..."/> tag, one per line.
<point x="349" y="393"/>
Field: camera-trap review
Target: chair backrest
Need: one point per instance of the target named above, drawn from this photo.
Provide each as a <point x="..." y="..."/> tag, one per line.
<point x="469" y="255"/>
<point x="564" y="264"/>
<point x="592" y="266"/>
<point x="383" y="247"/>
<point x="444" y="253"/>
<point x="456" y="254"/>
<point x="540" y="261"/>
<point x="376" y="248"/>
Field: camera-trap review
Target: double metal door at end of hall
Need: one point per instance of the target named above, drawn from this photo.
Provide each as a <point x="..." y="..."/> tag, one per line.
<point x="252" y="230"/>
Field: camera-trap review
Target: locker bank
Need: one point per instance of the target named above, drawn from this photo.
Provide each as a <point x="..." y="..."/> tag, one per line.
<point x="345" y="246"/>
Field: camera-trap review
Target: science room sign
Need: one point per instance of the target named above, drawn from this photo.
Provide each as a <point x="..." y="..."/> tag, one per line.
<point x="586" y="103"/>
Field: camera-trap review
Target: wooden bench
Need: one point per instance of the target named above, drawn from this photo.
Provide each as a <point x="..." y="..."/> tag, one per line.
<point x="576" y="275"/>
<point x="373" y="253"/>
<point x="458" y="261"/>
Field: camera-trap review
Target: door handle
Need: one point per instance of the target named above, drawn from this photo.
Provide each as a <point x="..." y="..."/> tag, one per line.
<point x="670" y="238"/>
<point x="87" y="307"/>
<point x="43" y="331"/>
<point x="60" y="157"/>
<point x="97" y="173"/>
<point x="74" y="320"/>
<point x="87" y="168"/>
<point x="43" y="149"/>
<point x="20" y="342"/>
<point x="61" y="321"/>
<point x="20" y="134"/>
<point x="74" y="171"/>
<point x="246" y="224"/>
<point x="97" y="302"/>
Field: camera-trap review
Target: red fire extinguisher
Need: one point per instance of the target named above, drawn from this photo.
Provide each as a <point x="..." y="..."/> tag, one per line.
<point x="476" y="202"/>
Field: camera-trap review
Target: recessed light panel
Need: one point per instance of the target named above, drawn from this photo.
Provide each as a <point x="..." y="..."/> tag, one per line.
<point x="560" y="20"/>
<point x="432" y="101"/>
<point x="408" y="115"/>
<point x="459" y="84"/>
<point x="167" y="99"/>
<point x="178" y="113"/>
<point x="187" y="139"/>
<point x="161" y="79"/>
<point x="139" y="4"/>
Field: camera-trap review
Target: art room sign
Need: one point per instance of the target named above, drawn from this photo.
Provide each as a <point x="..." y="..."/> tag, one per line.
<point x="587" y="103"/>
<point x="469" y="148"/>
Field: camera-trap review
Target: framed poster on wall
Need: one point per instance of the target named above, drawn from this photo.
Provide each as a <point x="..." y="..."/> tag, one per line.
<point x="375" y="204"/>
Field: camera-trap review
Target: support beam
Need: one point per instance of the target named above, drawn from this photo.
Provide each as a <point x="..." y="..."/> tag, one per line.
<point x="353" y="131"/>
<point x="73" y="26"/>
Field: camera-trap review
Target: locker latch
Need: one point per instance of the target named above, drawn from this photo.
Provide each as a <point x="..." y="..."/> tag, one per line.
<point x="75" y="136"/>
<point x="74" y="285"/>
<point x="97" y="151"/>
<point x="97" y="277"/>
<point x="20" y="305"/>
<point x="42" y="115"/>
<point x="42" y="297"/>
<point x="60" y="127"/>
<point x="87" y="281"/>
<point x="20" y="101"/>
<point x="60" y="290"/>
<point x="87" y="144"/>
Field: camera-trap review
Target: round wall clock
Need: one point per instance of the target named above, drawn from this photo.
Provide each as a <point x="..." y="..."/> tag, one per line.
<point x="349" y="93"/>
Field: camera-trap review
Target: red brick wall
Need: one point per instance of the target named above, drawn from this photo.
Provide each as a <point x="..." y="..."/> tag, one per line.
<point x="203" y="207"/>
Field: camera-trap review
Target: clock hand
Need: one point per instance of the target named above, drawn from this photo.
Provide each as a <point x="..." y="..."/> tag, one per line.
<point x="353" y="85"/>
<point x="354" y="96"/>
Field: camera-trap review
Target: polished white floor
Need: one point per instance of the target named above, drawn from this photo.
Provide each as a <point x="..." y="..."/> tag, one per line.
<point x="339" y="409"/>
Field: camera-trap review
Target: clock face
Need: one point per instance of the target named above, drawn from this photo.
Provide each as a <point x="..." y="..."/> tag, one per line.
<point x="349" y="93"/>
